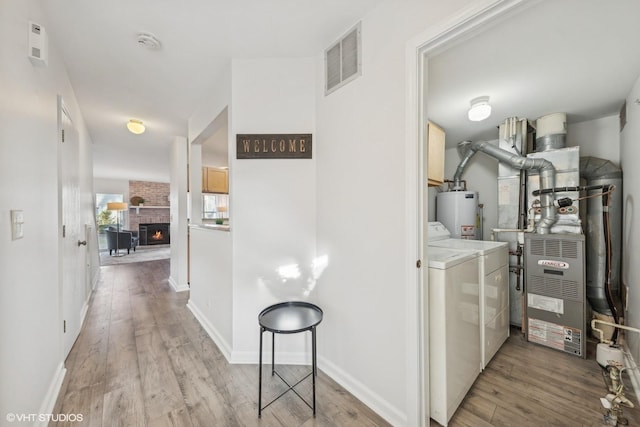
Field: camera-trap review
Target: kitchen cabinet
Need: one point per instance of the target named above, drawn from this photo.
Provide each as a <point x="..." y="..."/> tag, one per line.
<point x="215" y="180"/>
<point x="435" y="154"/>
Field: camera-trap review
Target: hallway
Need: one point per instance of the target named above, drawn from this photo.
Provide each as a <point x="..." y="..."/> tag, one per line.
<point x="142" y="359"/>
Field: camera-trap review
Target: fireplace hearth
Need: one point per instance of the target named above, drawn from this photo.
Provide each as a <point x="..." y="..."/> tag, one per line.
<point x="154" y="234"/>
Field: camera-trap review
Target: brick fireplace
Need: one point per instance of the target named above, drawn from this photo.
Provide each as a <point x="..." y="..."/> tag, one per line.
<point x="156" y="204"/>
<point x="154" y="234"/>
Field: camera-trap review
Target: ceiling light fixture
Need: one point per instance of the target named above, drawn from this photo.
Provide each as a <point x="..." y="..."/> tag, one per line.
<point x="135" y="126"/>
<point x="480" y="109"/>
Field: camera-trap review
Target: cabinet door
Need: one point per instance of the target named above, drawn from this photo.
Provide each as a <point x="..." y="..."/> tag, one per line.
<point x="435" y="154"/>
<point x="217" y="181"/>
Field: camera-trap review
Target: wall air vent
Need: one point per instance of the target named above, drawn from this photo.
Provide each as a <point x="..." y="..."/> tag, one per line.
<point x="343" y="61"/>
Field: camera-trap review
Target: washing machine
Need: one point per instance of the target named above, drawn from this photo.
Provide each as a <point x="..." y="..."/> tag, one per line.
<point x="494" y="286"/>
<point x="454" y="333"/>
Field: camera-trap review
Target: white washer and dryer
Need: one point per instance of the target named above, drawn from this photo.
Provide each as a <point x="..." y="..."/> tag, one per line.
<point x="494" y="285"/>
<point x="454" y="334"/>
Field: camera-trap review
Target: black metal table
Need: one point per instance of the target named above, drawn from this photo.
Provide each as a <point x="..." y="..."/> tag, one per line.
<point x="289" y="318"/>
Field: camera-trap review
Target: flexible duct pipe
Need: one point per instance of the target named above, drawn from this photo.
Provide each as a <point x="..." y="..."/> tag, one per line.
<point x="547" y="172"/>
<point x="598" y="172"/>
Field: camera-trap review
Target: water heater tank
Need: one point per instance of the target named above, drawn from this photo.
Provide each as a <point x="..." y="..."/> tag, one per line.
<point x="457" y="210"/>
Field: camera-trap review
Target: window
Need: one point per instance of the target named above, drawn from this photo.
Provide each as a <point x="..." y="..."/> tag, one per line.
<point x="215" y="206"/>
<point x="105" y="217"/>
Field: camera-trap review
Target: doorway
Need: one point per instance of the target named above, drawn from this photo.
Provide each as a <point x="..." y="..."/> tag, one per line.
<point x="419" y="50"/>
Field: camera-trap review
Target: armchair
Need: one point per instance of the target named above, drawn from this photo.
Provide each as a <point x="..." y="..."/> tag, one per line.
<point x="125" y="239"/>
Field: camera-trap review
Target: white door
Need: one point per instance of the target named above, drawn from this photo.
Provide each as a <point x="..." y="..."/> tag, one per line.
<point x="72" y="255"/>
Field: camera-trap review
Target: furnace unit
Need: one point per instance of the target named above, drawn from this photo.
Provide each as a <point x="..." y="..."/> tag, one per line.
<point x="555" y="291"/>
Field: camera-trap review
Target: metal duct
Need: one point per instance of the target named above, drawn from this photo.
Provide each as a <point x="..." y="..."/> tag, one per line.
<point x="598" y="171"/>
<point x="468" y="149"/>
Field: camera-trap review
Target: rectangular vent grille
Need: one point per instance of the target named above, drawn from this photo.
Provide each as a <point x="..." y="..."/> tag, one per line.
<point x="571" y="290"/>
<point x="555" y="288"/>
<point x="537" y="247"/>
<point x="569" y="249"/>
<point x="554" y="248"/>
<point x="343" y="61"/>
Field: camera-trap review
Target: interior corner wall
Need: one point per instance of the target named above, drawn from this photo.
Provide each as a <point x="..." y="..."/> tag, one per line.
<point x="272" y="201"/>
<point x="597" y="138"/>
<point x="361" y="212"/>
<point x="629" y="155"/>
<point x="31" y="359"/>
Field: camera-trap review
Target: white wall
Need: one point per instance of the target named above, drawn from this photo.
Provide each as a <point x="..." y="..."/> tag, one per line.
<point x="597" y="138"/>
<point x="31" y="359"/>
<point x="361" y="213"/>
<point x="211" y="295"/>
<point x="273" y="210"/>
<point x="629" y="155"/>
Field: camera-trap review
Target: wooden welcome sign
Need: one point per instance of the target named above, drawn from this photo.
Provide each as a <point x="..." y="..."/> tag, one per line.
<point x="274" y="146"/>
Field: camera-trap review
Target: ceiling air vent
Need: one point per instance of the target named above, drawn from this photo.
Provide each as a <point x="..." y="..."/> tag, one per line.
<point x="343" y="60"/>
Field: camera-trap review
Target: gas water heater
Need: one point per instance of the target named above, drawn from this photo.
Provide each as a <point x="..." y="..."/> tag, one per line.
<point x="457" y="211"/>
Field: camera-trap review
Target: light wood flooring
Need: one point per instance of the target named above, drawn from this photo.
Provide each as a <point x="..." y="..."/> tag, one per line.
<point x="531" y="385"/>
<point x="143" y="360"/>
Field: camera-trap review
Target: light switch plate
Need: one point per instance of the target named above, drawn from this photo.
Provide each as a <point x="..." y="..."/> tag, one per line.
<point x="17" y="221"/>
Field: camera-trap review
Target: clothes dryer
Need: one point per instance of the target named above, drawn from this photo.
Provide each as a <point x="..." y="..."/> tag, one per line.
<point x="454" y="334"/>
<point x="494" y="285"/>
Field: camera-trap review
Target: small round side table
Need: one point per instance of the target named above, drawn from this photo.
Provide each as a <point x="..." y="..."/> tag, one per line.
<point x="289" y="318"/>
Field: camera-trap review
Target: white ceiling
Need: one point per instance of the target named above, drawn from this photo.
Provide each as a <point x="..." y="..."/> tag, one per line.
<point x="576" y="56"/>
<point x="115" y="79"/>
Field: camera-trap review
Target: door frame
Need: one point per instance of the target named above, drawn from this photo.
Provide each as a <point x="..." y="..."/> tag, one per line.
<point x="417" y="53"/>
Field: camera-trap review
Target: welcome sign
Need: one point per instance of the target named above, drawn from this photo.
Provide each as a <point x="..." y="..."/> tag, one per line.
<point x="274" y="146"/>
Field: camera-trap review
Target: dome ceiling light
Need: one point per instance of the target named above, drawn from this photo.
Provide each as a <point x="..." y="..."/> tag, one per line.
<point x="136" y="126"/>
<point x="480" y="109"/>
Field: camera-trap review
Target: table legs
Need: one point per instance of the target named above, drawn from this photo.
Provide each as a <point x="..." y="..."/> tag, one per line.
<point x="260" y="377"/>
<point x="313" y="373"/>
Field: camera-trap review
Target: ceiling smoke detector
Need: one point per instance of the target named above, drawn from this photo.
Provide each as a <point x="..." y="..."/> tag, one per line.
<point x="148" y="41"/>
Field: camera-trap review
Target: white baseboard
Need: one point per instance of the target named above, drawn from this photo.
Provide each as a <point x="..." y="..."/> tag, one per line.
<point x="177" y="288"/>
<point x="365" y="395"/>
<point x="50" y="398"/>
<point x="96" y="278"/>
<point x="85" y="309"/>
<point x="217" y="338"/>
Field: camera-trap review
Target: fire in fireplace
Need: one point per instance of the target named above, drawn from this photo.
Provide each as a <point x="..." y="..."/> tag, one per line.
<point x="154" y="234"/>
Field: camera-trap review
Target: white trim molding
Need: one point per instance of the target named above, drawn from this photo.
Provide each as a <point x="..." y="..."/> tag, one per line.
<point x="49" y="402"/>
<point x="223" y="345"/>
<point x="176" y="287"/>
<point x="379" y="405"/>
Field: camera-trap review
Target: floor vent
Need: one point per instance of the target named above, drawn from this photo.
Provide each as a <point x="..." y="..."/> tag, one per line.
<point x="343" y="61"/>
